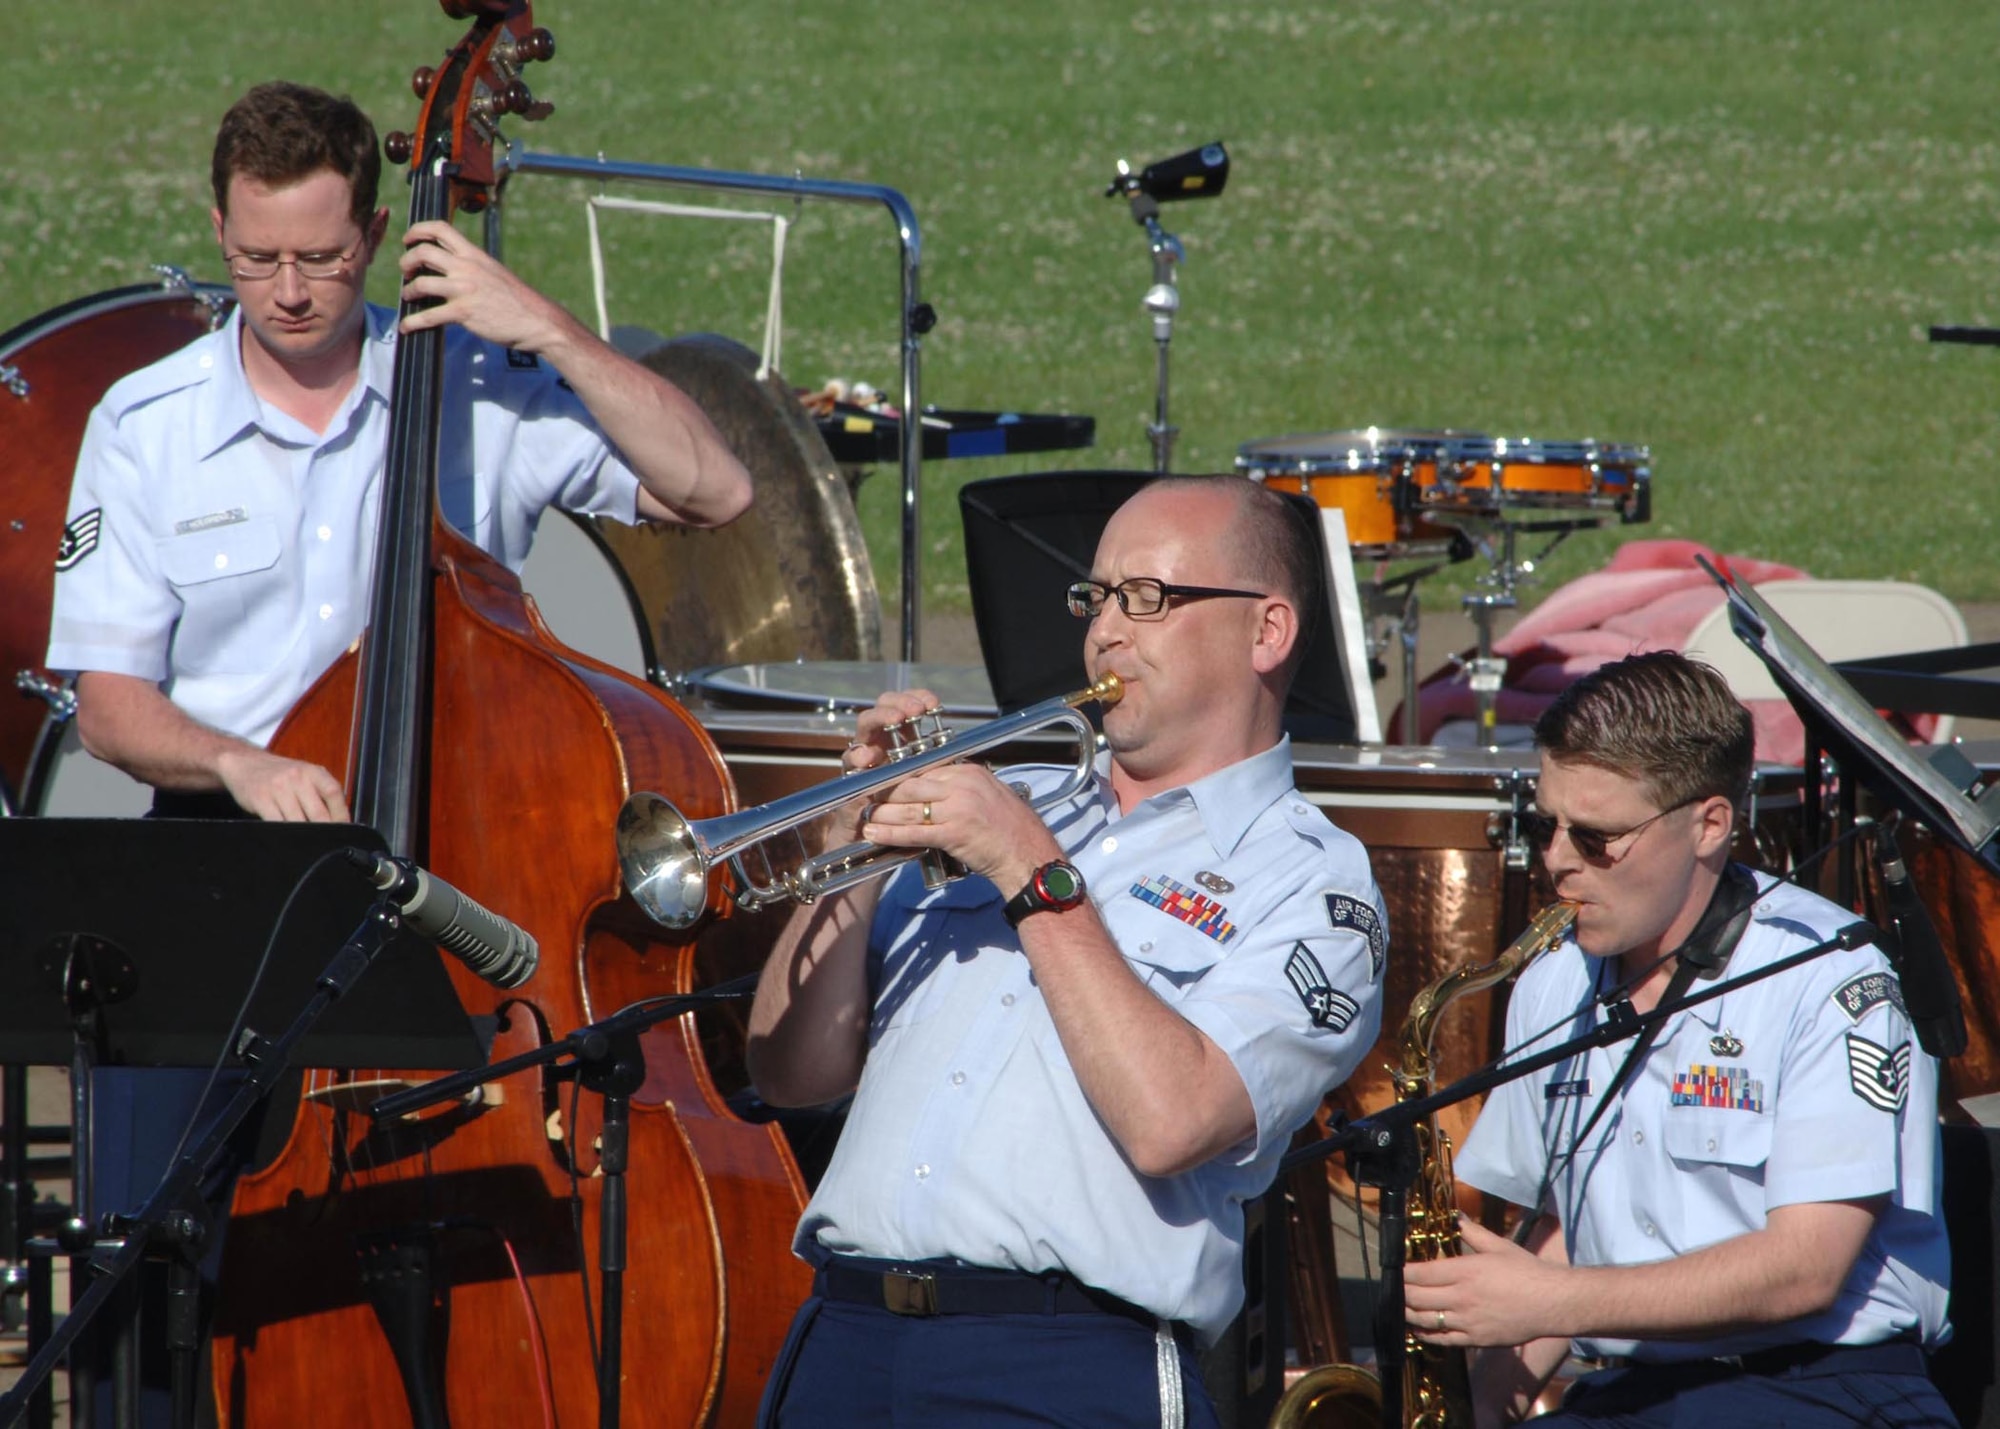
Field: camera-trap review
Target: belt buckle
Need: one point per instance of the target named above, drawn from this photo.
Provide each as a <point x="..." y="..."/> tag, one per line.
<point x="909" y="1293"/>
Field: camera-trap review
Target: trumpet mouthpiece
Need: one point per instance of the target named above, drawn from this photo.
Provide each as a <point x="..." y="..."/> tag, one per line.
<point x="1107" y="691"/>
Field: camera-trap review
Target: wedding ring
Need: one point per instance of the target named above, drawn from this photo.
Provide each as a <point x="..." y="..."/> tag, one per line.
<point x="927" y="811"/>
<point x="1440" y="1322"/>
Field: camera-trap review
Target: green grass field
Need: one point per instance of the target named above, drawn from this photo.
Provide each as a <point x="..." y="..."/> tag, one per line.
<point x="1719" y="230"/>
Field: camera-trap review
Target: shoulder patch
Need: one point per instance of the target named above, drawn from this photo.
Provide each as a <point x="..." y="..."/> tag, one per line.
<point x="1855" y="996"/>
<point x="79" y="538"/>
<point x="1354" y="916"/>
<point x="1879" y="1076"/>
<point x="1326" y="1005"/>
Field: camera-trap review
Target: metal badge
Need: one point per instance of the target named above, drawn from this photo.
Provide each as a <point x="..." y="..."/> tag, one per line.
<point x="1214" y="882"/>
<point x="1725" y="1044"/>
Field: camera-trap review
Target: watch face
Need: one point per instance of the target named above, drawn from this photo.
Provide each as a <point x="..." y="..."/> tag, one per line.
<point x="1061" y="883"/>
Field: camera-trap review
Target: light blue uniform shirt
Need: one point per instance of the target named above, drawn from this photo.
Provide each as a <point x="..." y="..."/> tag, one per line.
<point x="219" y="546"/>
<point x="969" y="1138"/>
<point x="1807" y="1086"/>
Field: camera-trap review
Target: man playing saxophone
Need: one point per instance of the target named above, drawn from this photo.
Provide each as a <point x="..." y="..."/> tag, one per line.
<point x="1063" y="1097"/>
<point x="1740" y="1215"/>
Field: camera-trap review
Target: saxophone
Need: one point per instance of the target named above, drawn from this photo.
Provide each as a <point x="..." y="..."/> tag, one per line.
<point x="1436" y="1389"/>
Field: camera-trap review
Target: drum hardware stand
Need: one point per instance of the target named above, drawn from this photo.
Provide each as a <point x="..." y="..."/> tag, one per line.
<point x="607" y="1059"/>
<point x="1199" y="173"/>
<point x="172" y="1218"/>
<point x="217" y="300"/>
<point x="1506" y="573"/>
<point x="1392" y="611"/>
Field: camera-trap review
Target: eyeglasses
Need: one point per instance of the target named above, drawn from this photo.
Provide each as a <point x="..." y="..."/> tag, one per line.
<point x="1143" y="598"/>
<point x="1593" y="844"/>
<point x="314" y="267"/>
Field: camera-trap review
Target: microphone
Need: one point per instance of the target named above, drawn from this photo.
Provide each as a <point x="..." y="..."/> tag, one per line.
<point x="1930" y="993"/>
<point x="1199" y="173"/>
<point x="497" y="950"/>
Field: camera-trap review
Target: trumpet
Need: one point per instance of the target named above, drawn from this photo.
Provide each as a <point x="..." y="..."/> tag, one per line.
<point x="669" y="859"/>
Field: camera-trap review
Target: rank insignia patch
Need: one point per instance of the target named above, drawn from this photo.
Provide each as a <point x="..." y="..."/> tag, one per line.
<point x="1855" y="996"/>
<point x="1731" y="1087"/>
<point x="1328" y="1007"/>
<point x="1879" y="1076"/>
<point x="1201" y="913"/>
<point x="1214" y="882"/>
<point x="1358" y="917"/>
<point x="79" y="538"/>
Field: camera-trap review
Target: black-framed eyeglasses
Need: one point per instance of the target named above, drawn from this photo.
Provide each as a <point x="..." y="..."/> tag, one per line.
<point x="1593" y="844"/>
<point x="315" y="267"/>
<point x="1144" y="598"/>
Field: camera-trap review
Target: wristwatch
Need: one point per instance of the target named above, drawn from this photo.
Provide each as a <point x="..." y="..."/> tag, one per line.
<point x="1054" y="886"/>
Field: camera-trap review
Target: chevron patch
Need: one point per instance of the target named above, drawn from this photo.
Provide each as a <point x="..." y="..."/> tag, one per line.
<point x="79" y="538"/>
<point x="1879" y="1076"/>
<point x="1325" y="1004"/>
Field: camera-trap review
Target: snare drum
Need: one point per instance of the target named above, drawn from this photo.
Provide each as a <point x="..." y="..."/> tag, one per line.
<point x="1371" y="476"/>
<point x="1492" y="476"/>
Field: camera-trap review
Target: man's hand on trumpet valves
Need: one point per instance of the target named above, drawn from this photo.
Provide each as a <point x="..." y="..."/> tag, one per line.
<point x="960" y="808"/>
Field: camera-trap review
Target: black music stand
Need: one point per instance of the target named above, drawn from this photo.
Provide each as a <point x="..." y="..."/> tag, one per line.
<point x="1029" y="537"/>
<point x="130" y="942"/>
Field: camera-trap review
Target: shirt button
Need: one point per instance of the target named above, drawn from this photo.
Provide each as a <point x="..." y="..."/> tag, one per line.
<point x="1145" y="947"/>
<point x="923" y="1171"/>
<point x="1110" y="845"/>
<point x="958" y="1079"/>
<point x="1648" y="1228"/>
<point x="222" y="563"/>
<point x="1300" y="809"/>
<point x="326" y="533"/>
<point x="1711" y="1143"/>
<point x="1638" y="1138"/>
<point x="1007" y="1000"/>
<point x="326" y="612"/>
<point x="208" y="362"/>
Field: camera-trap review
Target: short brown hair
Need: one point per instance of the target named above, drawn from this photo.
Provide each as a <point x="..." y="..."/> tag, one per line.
<point x="1274" y="546"/>
<point x="280" y="133"/>
<point x="1660" y="718"/>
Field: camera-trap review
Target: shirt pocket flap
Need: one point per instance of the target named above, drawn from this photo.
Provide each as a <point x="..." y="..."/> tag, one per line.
<point x="240" y="548"/>
<point x="1719" y="1135"/>
<point x="1174" y="957"/>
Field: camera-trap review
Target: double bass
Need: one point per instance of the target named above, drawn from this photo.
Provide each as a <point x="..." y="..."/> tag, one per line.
<point x="440" y="1270"/>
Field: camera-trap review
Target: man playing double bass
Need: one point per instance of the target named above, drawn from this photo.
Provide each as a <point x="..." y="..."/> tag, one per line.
<point x="1071" y="1070"/>
<point x="222" y="525"/>
<point x="221" y="528"/>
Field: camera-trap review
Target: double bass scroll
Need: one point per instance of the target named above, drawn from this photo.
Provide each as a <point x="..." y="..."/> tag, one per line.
<point x="438" y="1270"/>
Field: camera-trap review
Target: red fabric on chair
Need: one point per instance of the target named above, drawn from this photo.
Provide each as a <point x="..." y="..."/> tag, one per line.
<point x="1649" y="596"/>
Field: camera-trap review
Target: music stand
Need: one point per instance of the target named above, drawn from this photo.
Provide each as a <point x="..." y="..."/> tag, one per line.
<point x="131" y="941"/>
<point x="1837" y="719"/>
<point x="1029" y="537"/>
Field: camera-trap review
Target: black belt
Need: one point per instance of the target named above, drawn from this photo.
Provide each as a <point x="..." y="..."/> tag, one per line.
<point x="946" y="1288"/>
<point x="1810" y="1359"/>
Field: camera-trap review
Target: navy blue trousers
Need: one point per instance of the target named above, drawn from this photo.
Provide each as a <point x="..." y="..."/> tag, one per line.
<point x="848" y="1364"/>
<point x="1706" y="1397"/>
<point x="138" y="1116"/>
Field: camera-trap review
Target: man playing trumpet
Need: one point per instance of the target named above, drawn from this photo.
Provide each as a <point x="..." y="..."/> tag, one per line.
<point x="1741" y="1220"/>
<point x="1070" y="1069"/>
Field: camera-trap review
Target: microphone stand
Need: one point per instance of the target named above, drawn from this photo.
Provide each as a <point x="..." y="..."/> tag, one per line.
<point x="1162" y="300"/>
<point x="173" y="1216"/>
<point x="607" y="1059"/>
<point x="1382" y="1147"/>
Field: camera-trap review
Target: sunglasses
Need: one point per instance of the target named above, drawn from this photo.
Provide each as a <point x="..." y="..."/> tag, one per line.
<point x="1593" y="844"/>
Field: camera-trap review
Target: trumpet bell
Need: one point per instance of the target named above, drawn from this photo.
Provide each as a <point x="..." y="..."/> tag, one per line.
<point x="666" y="867"/>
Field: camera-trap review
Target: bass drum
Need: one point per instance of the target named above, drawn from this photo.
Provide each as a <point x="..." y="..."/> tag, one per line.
<point x="789" y="580"/>
<point x="53" y="369"/>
